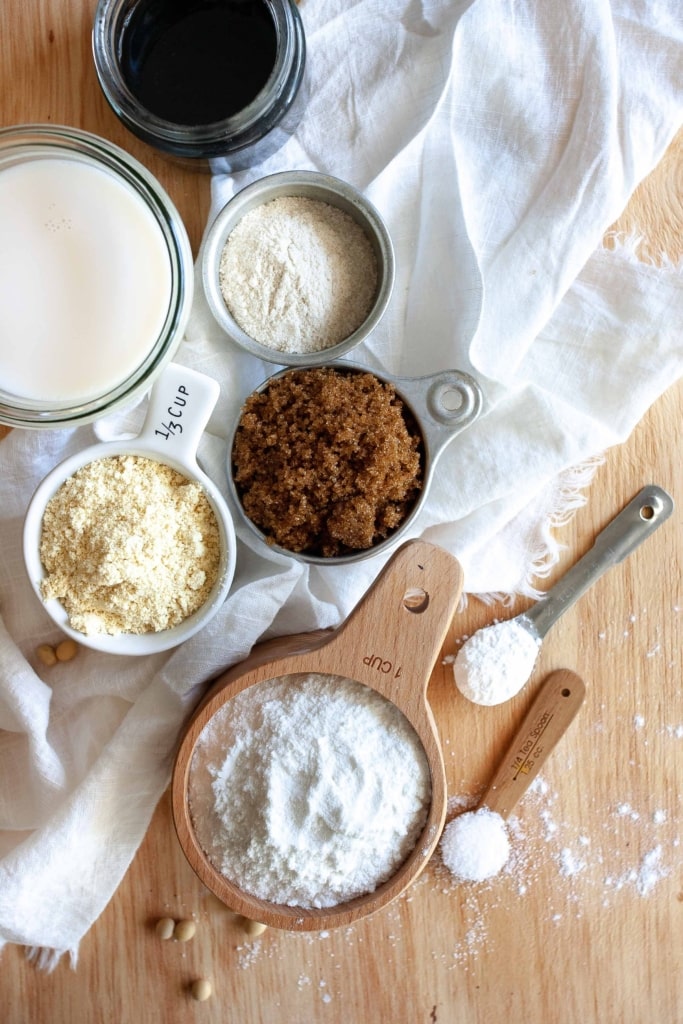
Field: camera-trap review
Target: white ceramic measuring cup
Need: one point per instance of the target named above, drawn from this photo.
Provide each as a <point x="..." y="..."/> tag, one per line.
<point x="180" y="404"/>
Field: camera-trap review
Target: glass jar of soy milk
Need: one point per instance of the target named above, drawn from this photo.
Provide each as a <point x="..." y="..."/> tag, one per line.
<point x="96" y="277"/>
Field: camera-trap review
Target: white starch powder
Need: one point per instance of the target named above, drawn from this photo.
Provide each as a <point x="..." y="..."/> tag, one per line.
<point x="298" y="275"/>
<point x="495" y="662"/>
<point x="475" y="845"/>
<point x="309" y="790"/>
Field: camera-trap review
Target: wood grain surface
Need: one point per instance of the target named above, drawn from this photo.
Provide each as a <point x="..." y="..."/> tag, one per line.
<point x="586" y="923"/>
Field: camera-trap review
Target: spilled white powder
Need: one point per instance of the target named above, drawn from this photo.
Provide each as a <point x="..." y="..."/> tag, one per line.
<point x="309" y="790"/>
<point x="566" y="869"/>
<point x="495" y="662"/>
<point x="475" y="845"/>
<point x="625" y="810"/>
<point x="650" y="871"/>
<point x="570" y="864"/>
<point x="644" y="877"/>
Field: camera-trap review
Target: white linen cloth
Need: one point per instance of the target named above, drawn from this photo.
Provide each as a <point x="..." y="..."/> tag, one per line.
<point x="500" y="140"/>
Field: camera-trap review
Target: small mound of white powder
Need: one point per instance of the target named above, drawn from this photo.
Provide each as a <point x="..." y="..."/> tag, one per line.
<point x="475" y="845"/>
<point x="309" y="790"/>
<point x="495" y="662"/>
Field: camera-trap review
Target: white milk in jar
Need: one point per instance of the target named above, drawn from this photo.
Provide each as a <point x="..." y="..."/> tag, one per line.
<point x="85" y="280"/>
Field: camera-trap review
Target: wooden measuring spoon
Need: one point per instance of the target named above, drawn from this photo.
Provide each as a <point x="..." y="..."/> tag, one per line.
<point x="390" y="643"/>
<point x="552" y="711"/>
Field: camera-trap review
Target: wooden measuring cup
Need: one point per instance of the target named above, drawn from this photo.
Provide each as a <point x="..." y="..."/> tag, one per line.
<point x="390" y="643"/>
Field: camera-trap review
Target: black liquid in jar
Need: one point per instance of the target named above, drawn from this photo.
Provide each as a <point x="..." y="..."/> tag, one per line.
<point x="195" y="62"/>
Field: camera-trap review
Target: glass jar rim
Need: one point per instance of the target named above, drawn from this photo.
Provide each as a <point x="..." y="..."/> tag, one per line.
<point x="236" y="131"/>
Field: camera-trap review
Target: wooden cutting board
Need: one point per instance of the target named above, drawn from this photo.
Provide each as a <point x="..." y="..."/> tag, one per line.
<point x="587" y="925"/>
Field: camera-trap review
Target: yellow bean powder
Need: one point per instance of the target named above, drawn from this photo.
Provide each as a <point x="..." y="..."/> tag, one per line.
<point x="129" y="545"/>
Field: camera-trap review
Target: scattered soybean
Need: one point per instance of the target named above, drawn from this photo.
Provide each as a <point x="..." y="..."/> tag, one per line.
<point x="66" y="650"/>
<point x="184" y="930"/>
<point x="46" y="654"/>
<point x="252" y="928"/>
<point x="165" y="927"/>
<point x="201" y="989"/>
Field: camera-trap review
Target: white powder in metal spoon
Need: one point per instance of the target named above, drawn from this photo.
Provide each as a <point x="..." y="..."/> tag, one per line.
<point x="475" y="845"/>
<point x="309" y="790"/>
<point x="495" y="662"/>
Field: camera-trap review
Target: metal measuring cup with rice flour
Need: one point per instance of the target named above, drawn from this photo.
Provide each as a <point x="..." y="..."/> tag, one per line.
<point x="309" y="185"/>
<point x="442" y="405"/>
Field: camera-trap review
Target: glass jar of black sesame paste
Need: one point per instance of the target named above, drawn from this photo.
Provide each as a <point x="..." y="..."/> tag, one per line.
<point x="210" y="80"/>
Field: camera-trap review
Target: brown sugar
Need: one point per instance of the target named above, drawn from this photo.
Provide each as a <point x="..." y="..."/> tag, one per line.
<point x="327" y="461"/>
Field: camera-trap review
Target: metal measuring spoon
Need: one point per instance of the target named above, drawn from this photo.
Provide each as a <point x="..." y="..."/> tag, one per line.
<point x="496" y="661"/>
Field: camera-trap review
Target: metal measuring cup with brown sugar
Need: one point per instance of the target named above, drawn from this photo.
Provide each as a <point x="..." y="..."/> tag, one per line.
<point x="331" y="464"/>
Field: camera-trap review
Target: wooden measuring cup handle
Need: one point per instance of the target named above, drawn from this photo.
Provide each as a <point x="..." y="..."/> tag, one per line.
<point x="546" y="721"/>
<point x="392" y="638"/>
